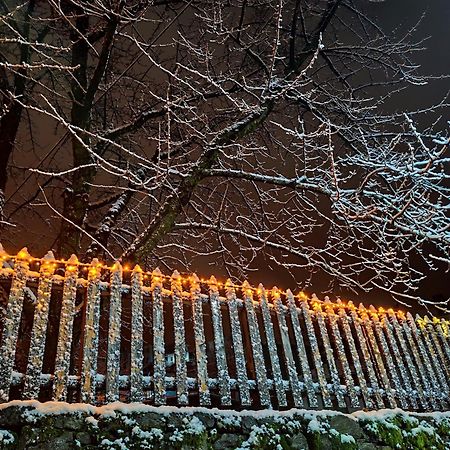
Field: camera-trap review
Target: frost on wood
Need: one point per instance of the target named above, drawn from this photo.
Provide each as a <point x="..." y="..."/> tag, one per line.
<point x="430" y="369"/>
<point x="384" y="348"/>
<point x="258" y="357"/>
<point x="115" y="320"/>
<point x="369" y="355"/>
<point x="62" y="361"/>
<point x="180" y="339"/>
<point x="137" y="337"/>
<point x="302" y="355"/>
<point x="334" y="374"/>
<point x="357" y="326"/>
<point x="317" y="357"/>
<point x="348" y="336"/>
<point x="428" y="330"/>
<point x="422" y="378"/>
<point x="219" y="344"/>
<point x="238" y="346"/>
<point x="433" y="354"/>
<point x="290" y="362"/>
<point x="367" y="324"/>
<point x="90" y="342"/>
<point x="405" y="390"/>
<point x="272" y="347"/>
<point x="11" y="322"/>
<point x="159" y="371"/>
<point x="200" y="343"/>
<point x="342" y="358"/>
<point x="39" y="330"/>
<point x="415" y="382"/>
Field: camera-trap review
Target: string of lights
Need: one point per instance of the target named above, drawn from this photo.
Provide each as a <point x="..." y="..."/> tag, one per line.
<point x="73" y="264"/>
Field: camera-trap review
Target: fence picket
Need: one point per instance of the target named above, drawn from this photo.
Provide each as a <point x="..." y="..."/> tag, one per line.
<point x="349" y="383"/>
<point x="356" y="322"/>
<point x="345" y="322"/>
<point x="368" y="327"/>
<point x="115" y="320"/>
<point x="443" y="331"/>
<point x="272" y="347"/>
<point x="394" y="378"/>
<point x="137" y="337"/>
<point x="221" y="359"/>
<point x="415" y="382"/>
<point x="317" y="357"/>
<point x="63" y="351"/>
<point x="159" y="361"/>
<point x="434" y="358"/>
<point x="258" y="357"/>
<point x="180" y="340"/>
<point x="287" y="350"/>
<point x="12" y="322"/>
<point x="39" y="330"/>
<point x="334" y="374"/>
<point x="429" y="367"/>
<point x="90" y="341"/>
<point x="301" y="350"/>
<point x="238" y="346"/>
<point x="405" y="384"/>
<point x="430" y="331"/>
<point x="200" y="343"/>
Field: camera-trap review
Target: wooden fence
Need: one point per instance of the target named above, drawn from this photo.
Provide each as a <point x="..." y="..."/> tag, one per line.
<point x="96" y="334"/>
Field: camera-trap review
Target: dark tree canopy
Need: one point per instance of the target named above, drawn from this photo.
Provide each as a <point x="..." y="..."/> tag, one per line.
<point x="167" y="131"/>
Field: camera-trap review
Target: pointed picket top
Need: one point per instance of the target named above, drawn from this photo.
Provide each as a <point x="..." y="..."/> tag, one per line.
<point x="49" y="256"/>
<point x="247" y="289"/>
<point x="276" y="293"/>
<point x="156" y="278"/>
<point x="176" y="275"/>
<point x="116" y="267"/>
<point x="2" y="251"/>
<point x="229" y="289"/>
<point x="290" y="297"/>
<point x="212" y="281"/>
<point x="23" y="254"/>
<point x="72" y="262"/>
<point x="261" y="291"/>
<point x="195" y="284"/>
<point x="137" y="269"/>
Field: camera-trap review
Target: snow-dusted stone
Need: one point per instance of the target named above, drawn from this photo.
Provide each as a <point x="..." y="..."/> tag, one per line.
<point x="299" y="442"/>
<point x="228" y="441"/>
<point x="347" y="425"/>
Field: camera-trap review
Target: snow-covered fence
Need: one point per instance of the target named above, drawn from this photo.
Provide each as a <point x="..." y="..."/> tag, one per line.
<point x="96" y="334"/>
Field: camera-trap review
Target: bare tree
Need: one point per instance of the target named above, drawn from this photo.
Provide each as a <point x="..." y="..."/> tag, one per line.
<point x="240" y="130"/>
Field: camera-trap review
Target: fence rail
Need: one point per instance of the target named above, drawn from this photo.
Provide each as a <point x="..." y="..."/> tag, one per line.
<point x="89" y="333"/>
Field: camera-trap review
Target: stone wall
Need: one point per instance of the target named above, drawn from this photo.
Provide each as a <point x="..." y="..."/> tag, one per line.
<point x="54" y="426"/>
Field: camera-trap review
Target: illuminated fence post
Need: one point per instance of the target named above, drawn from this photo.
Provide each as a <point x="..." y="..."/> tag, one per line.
<point x="159" y="362"/>
<point x="221" y="359"/>
<point x="38" y="333"/>
<point x="115" y="319"/>
<point x="200" y="342"/>
<point x="137" y="337"/>
<point x="290" y="363"/>
<point x="238" y="346"/>
<point x="62" y="363"/>
<point x="180" y="340"/>
<point x="258" y="357"/>
<point x="323" y="333"/>
<point x="90" y="343"/>
<point x="311" y="348"/>
<point x="11" y="322"/>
